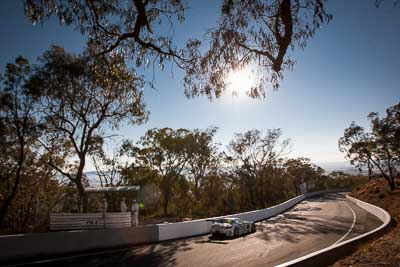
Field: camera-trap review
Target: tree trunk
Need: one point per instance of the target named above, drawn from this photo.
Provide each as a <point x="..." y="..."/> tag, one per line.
<point x="295" y="188"/>
<point x="85" y="203"/>
<point x="392" y="184"/>
<point x="82" y="197"/>
<point x="196" y="189"/>
<point x="389" y="179"/>
<point x="165" y="208"/>
<point x="3" y="210"/>
<point x="166" y="188"/>
<point x="369" y="170"/>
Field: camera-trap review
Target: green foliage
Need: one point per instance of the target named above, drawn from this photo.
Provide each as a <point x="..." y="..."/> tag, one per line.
<point x="28" y="188"/>
<point x="128" y="28"/>
<point x="259" y="34"/>
<point x="195" y="180"/>
<point x="248" y="33"/>
<point x="378" y="149"/>
<point x="202" y="156"/>
<point x="166" y="151"/>
<point x="338" y="179"/>
<point x="79" y="99"/>
<point x="19" y="130"/>
<point x="253" y="157"/>
<point x="301" y="170"/>
<point x="251" y="174"/>
<point x="39" y="194"/>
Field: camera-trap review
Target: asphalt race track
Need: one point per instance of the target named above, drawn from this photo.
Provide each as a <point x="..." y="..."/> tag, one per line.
<point x="311" y="225"/>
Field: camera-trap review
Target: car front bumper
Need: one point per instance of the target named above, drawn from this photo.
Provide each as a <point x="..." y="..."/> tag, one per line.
<point x="222" y="231"/>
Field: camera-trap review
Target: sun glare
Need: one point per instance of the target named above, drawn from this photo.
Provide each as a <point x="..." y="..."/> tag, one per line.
<point x="240" y="81"/>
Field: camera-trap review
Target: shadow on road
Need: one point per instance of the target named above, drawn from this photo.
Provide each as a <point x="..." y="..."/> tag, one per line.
<point x="304" y="220"/>
<point x="327" y="198"/>
<point x="161" y="254"/>
<point x="224" y="237"/>
<point x="314" y="217"/>
<point x="212" y="241"/>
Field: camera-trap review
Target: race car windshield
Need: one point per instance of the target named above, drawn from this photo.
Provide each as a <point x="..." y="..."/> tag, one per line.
<point x="228" y="220"/>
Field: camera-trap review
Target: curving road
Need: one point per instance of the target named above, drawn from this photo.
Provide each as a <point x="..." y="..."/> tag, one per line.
<point x="311" y="225"/>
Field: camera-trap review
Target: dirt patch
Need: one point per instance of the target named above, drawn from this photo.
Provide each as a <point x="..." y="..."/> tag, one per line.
<point x="384" y="251"/>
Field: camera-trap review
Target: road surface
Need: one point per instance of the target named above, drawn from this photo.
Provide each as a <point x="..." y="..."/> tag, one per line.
<point x="310" y="226"/>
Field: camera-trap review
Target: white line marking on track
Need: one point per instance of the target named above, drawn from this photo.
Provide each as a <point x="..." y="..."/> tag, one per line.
<point x="352" y="225"/>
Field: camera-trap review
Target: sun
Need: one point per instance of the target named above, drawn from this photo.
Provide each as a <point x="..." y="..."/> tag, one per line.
<point x="239" y="82"/>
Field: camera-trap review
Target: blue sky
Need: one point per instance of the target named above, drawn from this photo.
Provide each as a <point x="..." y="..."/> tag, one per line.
<point x="347" y="70"/>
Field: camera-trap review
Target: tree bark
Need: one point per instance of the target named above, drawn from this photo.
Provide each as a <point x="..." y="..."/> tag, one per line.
<point x="369" y="170"/>
<point x="165" y="208"/>
<point x="196" y="189"/>
<point x="82" y="196"/>
<point x="166" y="188"/>
<point x="391" y="183"/>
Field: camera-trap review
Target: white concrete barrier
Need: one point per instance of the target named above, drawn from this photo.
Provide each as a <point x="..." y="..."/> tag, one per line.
<point x="183" y="229"/>
<point x="382" y="214"/>
<point x="32" y="245"/>
<point x="169" y="231"/>
<point x="334" y="252"/>
<point x="200" y="227"/>
<point x="259" y="215"/>
<point x="57" y="243"/>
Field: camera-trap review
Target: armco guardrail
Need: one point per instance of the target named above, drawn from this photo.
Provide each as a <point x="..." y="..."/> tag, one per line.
<point x="30" y="245"/>
<point x="332" y="253"/>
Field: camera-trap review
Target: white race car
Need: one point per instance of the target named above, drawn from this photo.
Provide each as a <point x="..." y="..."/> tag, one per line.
<point x="231" y="227"/>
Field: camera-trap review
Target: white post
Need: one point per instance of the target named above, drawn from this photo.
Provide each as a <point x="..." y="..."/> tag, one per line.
<point x="135" y="213"/>
<point x="123" y="205"/>
<point x="104" y="211"/>
<point x="303" y="188"/>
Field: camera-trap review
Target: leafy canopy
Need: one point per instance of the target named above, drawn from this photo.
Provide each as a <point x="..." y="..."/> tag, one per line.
<point x="254" y="33"/>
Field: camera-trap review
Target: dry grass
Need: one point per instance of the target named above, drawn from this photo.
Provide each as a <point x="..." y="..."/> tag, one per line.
<point x="384" y="251"/>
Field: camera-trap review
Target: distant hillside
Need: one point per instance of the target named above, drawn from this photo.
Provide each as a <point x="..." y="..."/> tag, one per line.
<point x="329" y="167"/>
<point x="93" y="178"/>
<point x="343" y="166"/>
